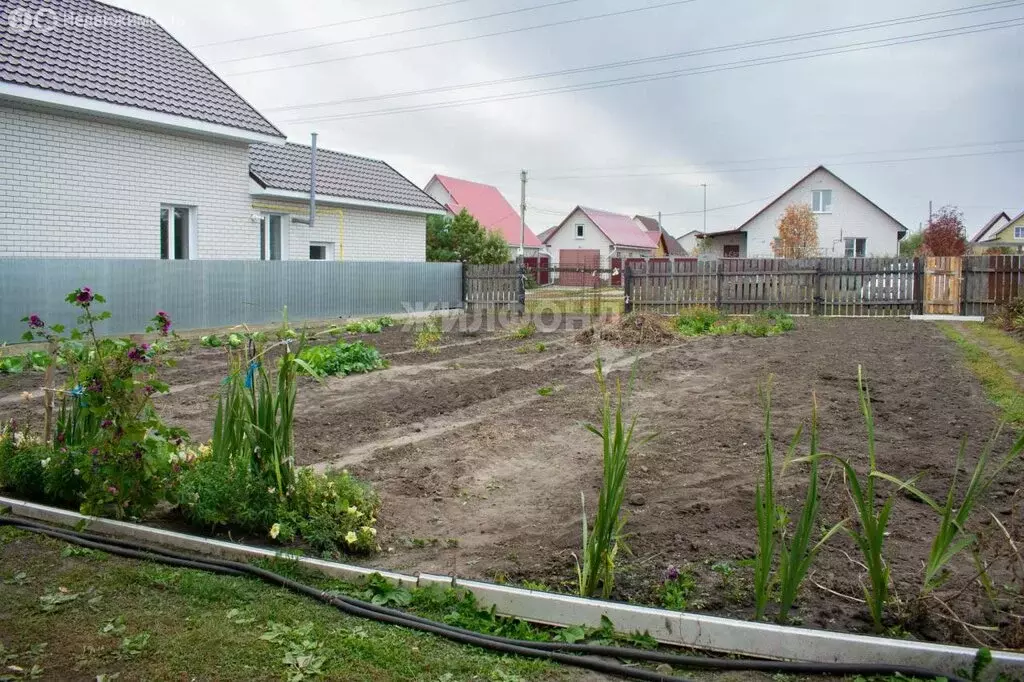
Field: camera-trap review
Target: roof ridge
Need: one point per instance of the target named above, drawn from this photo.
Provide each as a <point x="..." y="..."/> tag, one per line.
<point x="120" y="9"/>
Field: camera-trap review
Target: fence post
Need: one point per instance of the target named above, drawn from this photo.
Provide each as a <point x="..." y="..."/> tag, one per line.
<point x="627" y="288"/>
<point x="719" y="276"/>
<point x="465" y="294"/>
<point x="819" y="298"/>
<point x="918" y="286"/>
<point x="962" y="304"/>
<point x="521" y="286"/>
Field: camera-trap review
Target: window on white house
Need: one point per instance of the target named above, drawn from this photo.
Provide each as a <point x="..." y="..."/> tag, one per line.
<point x="1018" y="233"/>
<point x="579" y="231"/>
<point x="272" y="237"/>
<point x="176" y="230"/>
<point x="856" y="247"/>
<point x="319" y="251"/>
<point x="821" y="200"/>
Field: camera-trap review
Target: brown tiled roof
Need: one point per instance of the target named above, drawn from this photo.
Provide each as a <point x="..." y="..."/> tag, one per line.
<point x="341" y="175"/>
<point x="94" y="50"/>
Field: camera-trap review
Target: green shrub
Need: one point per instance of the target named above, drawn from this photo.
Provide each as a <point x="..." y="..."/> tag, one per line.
<point x="363" y="327"/>
<point x="333" y="512"/>
<point x="342" y="358"/>
<point x="430" y="335"/>
<point x="701" y="320"/>
<point x="21" y="464"/>
<point x="12" y="364"/>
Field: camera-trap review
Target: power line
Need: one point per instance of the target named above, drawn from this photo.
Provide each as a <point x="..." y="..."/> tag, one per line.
<point x="402" y="31"/>
<point x="698" y="170"/>
<point x="346" y="22"/>
<point x="723" y="171"/>
<point x="664" y="75"/>
<point x="717" y="208"/>
<point x="929" y="16"/>
<point x="461" y="39"/>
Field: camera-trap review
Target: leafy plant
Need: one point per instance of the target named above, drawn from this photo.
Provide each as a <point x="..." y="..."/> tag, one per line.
<point x="430" y="335"/>
<point x="677" y="589"/>
<point x="601" y="542"/>
<point x="524" y="332"/>
<point x="342" y="358"/>
<point x="701" y="320"/>
<point x="952" y="536"/>
<point x="546" y="391"/>
<point x="363" y="327"/>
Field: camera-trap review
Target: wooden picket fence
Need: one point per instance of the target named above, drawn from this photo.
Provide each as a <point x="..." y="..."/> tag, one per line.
<point x="838" y="287"/>
<point x="801" y="286"/>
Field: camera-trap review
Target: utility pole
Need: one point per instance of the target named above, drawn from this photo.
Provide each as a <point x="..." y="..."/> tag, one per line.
<point x="659" y="220"/>
<point x="522" y="214"/>
<point x="930" y="214"/>
<point x="312" y="183"/>
<point x="705" y="186"/>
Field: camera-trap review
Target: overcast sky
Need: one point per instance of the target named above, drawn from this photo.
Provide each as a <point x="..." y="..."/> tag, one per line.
<point x="748" y="133"/>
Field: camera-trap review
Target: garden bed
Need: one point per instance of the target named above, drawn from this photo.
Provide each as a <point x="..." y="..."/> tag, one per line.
<point x="478" y="455"/>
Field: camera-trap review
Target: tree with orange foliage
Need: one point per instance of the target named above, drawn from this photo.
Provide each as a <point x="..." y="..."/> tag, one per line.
<point x="945" y="234"/>
<point x="798" y="233"/>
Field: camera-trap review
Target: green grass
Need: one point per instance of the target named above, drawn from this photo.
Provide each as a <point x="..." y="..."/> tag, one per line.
<point x="1011" y="346"/>
<point x="204" y="626"/>
<point x="1000" y="386"/>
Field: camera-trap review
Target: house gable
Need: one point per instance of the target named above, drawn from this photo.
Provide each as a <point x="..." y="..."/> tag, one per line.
<point x="846" y="215"/>
<point x="992" y="228"/>
<point x="1008" y="233"/>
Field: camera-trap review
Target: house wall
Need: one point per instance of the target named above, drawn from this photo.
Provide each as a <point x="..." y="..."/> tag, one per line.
<point x="1007" y="233"/>
<point x="438" y="193"/>
<point x="565" y="238"/>
<point x="716" y="245"/>
<point x="78" y="188"/>
<point x="361" y="234"/>
<point x="688" y="241"/>
<point x="851" y="216"/>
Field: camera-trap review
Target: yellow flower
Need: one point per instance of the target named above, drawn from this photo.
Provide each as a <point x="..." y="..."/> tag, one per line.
<point x="351" y="538"/>
<point x="369" y="529"/>
<point x="275" y="530"/>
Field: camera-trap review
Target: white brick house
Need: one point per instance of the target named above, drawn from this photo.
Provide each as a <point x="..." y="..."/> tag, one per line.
<point x="117" y="142"/>
<point x="849" y="224"/>
<point x="365" y="209"/>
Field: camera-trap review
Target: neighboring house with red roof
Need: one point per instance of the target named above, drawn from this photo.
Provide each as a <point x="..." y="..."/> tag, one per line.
<point x="590" y="235"/>
<point x="1001" y="233"/>
<point x="118" y="142"/>
<point x="488" y="206"/>
<point x="849" y="224"/>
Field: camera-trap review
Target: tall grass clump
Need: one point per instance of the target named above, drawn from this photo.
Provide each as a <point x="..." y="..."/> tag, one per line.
<point x="764" y="504"/>
<point x="601" y="541"/>
<point x="952" y="536"/>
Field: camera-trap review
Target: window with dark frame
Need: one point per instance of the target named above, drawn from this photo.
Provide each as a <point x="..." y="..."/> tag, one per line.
<point x="856" y="247"/>
<point x="579" y="231"/>
<point x="317" y="252"/>
<point x="731" y="251"/>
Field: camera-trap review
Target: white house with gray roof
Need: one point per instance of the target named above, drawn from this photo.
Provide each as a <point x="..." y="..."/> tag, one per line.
<point x="116" y="141"/>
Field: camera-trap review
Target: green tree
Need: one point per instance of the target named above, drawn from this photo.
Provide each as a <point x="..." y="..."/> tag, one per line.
<point x="911" y="244"/>
<point x="462" y="239"/>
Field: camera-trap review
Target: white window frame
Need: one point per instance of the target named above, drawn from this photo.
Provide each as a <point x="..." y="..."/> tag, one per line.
<point x="169" y="243"/>
<point x="1018" y="232"/>
<point x="846" y="247"/>
<point x="579" y="230"/>
<point x="820" y="206"/>
<point x="264" y="227"/>
<point x="328" y="249"/>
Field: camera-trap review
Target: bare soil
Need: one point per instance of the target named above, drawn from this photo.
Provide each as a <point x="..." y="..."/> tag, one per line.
<point x="480" y="475"/>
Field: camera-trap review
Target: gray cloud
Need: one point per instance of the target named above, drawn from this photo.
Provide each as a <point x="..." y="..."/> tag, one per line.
<point x="749" y="133"/>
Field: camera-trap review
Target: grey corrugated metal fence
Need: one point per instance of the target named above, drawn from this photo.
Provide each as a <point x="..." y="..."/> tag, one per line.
<point x="204" y="293"/>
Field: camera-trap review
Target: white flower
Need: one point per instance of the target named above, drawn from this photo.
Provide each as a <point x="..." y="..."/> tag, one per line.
<point x="77" y="472"/>
<point x="45" y="462"/>
<point x="351" y="538"/>
<point x="275" y="530"/>
<point x="369" y="529"/>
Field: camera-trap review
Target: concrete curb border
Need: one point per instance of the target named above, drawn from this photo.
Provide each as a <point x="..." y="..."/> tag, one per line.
<point x="723" y="635"/>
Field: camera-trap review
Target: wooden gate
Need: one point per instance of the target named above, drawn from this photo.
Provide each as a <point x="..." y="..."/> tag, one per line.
<point x="943" y="280"/>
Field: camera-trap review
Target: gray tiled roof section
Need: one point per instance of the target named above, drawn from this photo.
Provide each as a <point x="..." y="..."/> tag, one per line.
<point x="119" y="57"/>
<point x="286" y="167"/>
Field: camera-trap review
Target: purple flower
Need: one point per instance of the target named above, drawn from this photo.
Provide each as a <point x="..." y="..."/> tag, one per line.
<point x="163" y="322"/>
<point x="84" y="296"/>
<point x="35" y="321"/>
<point x="139" y="353"/>
<point x="106" y="424"/>
<point x="671" y="573"/>
<point x="112" y="490"/>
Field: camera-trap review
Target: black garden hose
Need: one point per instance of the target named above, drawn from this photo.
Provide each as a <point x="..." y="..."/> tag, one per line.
<point x="567" y="654"/>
